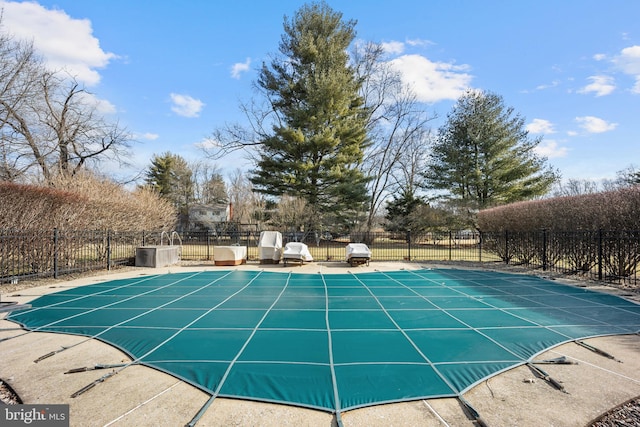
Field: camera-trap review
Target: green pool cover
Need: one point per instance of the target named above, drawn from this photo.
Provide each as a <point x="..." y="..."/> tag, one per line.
<point x="333" y="342"/>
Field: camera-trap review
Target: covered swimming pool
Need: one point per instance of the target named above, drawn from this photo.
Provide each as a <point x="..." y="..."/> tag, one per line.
<point x="333" y="342"/>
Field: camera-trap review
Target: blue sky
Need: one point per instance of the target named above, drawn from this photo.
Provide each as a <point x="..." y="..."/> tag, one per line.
<point x="173" y="71"/>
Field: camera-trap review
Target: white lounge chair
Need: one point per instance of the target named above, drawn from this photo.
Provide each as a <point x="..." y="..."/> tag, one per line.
<point x="357" y="253"/>
<point x="270" y="247"/>
<point x="296" y="252"/>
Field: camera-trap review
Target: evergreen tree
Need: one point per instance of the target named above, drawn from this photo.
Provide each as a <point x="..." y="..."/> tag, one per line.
<point x="629" y="176"/>
<point x="215" y="190"/>
<point x="319" y="139"/>
<point x="483" y="155"/>
<point x="400" y="210"/>
<point x="158" y="176"/>
<point x="170" y="175"/>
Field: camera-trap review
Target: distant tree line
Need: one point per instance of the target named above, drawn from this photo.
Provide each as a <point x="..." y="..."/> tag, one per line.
<point x="338" y="142"/>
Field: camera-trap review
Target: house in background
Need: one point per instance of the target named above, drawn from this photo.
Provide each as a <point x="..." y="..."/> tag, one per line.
<point x="205" y="217"/>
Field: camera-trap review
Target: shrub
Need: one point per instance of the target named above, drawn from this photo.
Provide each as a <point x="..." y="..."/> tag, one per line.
<point x="581" y="231"/>
<point x="83" y="202"/>
<point x="25" y="207"/>
<point x="611" y="210"/>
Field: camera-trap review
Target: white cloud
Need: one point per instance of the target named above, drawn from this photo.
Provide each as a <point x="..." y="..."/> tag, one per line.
<point x="393" y="47"/>
<point x="629" y="63"/>
<point x="397" y="48"/>
<point x="549" y="148"/>
<point x="149" y="136"/>
<point x="432" y="81"/>
<point x="101" y="105"/>
<point x="540" y="126"/>
<point x="599" y="57"/>
<point x="208" y="144"/>
<point x="554" y="83"/>
<point x="629" y="60"/>
<point x="65" y="42"/>
<point x="185" y="105"/>
<point x="239" y="68"/>
<point x="419" y="42"/>
<point x="593" y="124"/>
<point x="600" y="85"/>
<point x="104" y="107"/>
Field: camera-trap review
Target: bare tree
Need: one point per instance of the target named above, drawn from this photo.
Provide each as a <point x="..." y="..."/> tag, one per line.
<point x="413" y="161"/>
<point x="49" y="123"/>
<point x="208" y="184"/>
<point x="232" y="137"/>
<point x="293" y="214"/>
<point x="575" y="187"/>
<point x="19" y="72"/>
<point x="627" y="177"/>
<point x="77" y="131"/>
<point x="248" y="207"/>
<point x="397" y="128"/>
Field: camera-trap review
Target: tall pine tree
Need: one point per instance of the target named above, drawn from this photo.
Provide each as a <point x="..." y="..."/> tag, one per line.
<point x="484" y="157"/>
<point x="170" y="175"/>
<point x="320" y="136"/>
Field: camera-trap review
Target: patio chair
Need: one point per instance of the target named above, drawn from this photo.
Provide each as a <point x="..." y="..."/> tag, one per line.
<point x="296" y="252"/>
<point x="357" y="253"/>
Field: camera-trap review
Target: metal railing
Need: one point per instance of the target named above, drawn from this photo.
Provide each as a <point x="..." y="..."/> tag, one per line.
<point x="384" y="246"/>
<point x="55" y="252"/>
<point x="610" y="256"/>
<point x="601" y="255"/>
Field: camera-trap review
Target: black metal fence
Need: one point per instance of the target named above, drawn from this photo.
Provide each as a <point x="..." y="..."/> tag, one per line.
<point x="453" y="246"/>
<point x="602" y="255"/>
<point x="611" y="256"/>
<point x="52" y="253"/>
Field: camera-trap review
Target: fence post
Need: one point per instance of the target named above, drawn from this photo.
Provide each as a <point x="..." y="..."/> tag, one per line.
<point x="246" y="236"/>
<point x="55" y="253"/>
<point x="506" y="246"/>
<point x="480" y="246"/>
<point x="544" y="249"/>
<point x="600" y="254"/>
<point x="450" y="242"/>
<point x="409" y="244"/>
<point x="326" y="245"/>
<point x="208" y="243"/>
<point x="108" y="250"/>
